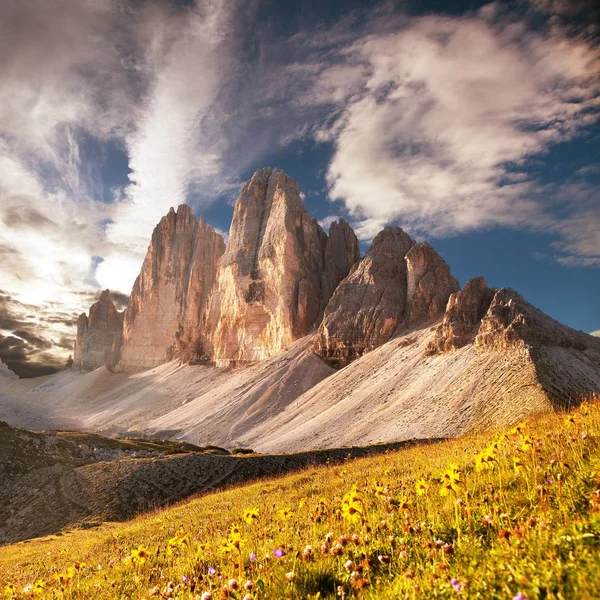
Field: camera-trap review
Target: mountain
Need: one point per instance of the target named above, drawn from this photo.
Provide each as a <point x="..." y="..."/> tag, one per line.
<point x="98" y="334"/>
<point x="322" y="348"/>
<point x="278" y="272"/>
<point x="164" y="315"/>
<point x="397" y="286"/>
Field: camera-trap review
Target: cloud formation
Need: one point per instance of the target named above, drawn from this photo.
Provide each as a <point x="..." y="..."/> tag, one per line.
<point x="77" y="78"/>
<point x="435" y="124"/>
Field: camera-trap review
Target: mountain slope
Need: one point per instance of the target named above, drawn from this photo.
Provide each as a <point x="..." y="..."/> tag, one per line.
<point x="512" y="362"/>
<point x="52" y="480"/>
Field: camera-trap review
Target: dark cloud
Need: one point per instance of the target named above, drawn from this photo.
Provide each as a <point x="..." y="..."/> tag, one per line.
<point x="33" y="339"/>
<point x="18" y="353"/>
<point x="120" y="300"/>
<point x="12" y="313"/>
<point x="69" y="321"/>
<point x="27" y="350"/>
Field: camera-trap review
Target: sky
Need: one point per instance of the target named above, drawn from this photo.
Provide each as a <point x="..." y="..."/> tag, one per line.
<point x="473" y="125"/>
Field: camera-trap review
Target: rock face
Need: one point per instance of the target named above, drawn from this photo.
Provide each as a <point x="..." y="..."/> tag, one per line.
<point x="429" y="283"/>
<point x="511" y="322"/>
<point x="6" y="373"/>
<point x="97" y="334"/>
<point x="198" y="302"/>
<point x="342" y="252"/>
<point x="501" y="319"/>
<point x="169" y="297"/>
<point x="398" y="285"/>
<point x="564" y="361"/>
<point x="463" y="316"/>
<point x="277" y="274"/>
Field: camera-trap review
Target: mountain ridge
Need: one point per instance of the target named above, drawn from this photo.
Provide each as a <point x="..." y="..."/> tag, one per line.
<point x="291" y="331"/>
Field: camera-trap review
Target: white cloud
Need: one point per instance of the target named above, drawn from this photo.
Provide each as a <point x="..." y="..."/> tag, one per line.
<point x="442" y="116"/>
<point x="596" y="333"/>
<point x="78" y="74"/>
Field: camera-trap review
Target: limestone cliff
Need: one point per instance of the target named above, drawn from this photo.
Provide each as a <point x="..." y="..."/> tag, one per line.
<point x="398" y="285"/>
<point x="277" y="274"/>
<point x="169" y="297"/>
<point x="342" y="252"/>
<point x="462" y="319"/>
<point x="564" y="361"/>
<point x="97" y="334"/>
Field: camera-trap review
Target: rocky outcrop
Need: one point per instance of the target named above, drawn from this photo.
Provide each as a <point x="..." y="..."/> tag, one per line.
<point x="97" y="334"/>
<point x="564" y="362"/>
<point x="398" y="285"/>
<point x="342" y="252"/>
<point x="463" y="316"/>
<point x="501" y="319"/>
<point x="169" y="298"/>
<point x="512" y="322"/>
<point x="6" y="373"/>
<point x="429" y="283"/>
<point x="277" y="274"/>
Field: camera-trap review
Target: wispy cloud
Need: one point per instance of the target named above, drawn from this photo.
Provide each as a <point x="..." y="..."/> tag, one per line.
<point x="77" y="75"/>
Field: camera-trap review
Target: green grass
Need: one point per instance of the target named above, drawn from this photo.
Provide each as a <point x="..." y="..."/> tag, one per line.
<point x="498" y="515"/>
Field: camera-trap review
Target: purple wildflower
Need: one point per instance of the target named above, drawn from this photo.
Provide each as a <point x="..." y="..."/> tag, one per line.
<point x="520" y="596"/>
<point x="184" y="579"/>
<point x="455" y="583"/>
<point x="278" y="553"/>
<point x="211" y="570"/>
<point x="252" y="556"/>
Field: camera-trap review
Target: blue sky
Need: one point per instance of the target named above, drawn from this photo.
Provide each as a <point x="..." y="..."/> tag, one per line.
<point x="473" y="125"/>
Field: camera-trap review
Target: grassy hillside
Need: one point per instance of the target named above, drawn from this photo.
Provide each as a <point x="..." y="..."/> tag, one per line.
<point x="510" y="514"/>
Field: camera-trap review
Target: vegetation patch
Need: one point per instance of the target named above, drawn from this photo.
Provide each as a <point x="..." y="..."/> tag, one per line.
<point x="512" y="514"/>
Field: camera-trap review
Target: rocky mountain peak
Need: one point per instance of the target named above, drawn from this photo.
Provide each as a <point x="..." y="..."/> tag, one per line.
<point x="462" y="319"/>
<point x="169" y="296"/>
<point x="341" y="250"/>
<point x="98" y="333"/>
<point x="276" y="275"/>
<point x="398" y="285"/>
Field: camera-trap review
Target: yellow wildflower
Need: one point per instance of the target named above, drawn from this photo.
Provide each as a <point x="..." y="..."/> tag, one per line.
<point x="65" y="578"/>
<point x="38" y="587"/>
<point x="138" y="556"/>
<point x="518" y="429"/>
<point x="422" y="486"/>
<point x="527" y="444"/>
<point x="227" y="546"/>
<point x="285" y="513"/>
<point x="379" y="490"/>
<point x="517" y="464"/>
<point x="486" y="458"/>
<point x="352" y="506"/>
<point x="451" y="481"/>
<point x="250" y="515"/>
<point x="235" y="533"/>
<point x="10" y="590"/>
